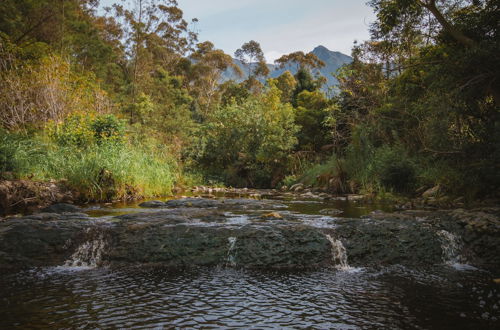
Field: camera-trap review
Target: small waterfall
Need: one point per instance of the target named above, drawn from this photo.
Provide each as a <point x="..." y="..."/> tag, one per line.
<point x="339" y="254"/>
<point x="230" y="259"/>
<point x="451" y="246"/>
<point x="88" y="254"/>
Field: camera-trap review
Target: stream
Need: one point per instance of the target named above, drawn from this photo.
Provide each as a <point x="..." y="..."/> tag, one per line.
<point x="83" y="292"/>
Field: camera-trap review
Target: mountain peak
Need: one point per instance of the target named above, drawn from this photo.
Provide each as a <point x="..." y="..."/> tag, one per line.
<point x="320" y="48"/>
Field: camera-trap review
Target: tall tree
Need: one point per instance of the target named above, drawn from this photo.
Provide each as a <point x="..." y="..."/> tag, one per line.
<point x="206" y="71"/>
<point x="307" y="61"/>
<point x="252" y="56"/>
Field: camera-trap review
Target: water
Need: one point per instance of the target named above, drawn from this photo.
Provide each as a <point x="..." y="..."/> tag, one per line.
<point x="296" y="204"/>
<point x="230" y="252"/>
<point x="79" y="294"/>
<point x="88" y="254"/>
<point x="339" y="254"/>
<point x="395" y="297"/>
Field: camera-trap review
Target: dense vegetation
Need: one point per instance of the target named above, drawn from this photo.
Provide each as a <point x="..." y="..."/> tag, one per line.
<point x="128" y="102"/>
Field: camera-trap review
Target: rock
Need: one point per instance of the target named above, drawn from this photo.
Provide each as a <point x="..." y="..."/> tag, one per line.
<point x="153" y="204"/>
<point x="432" y="192"/>
<point x="297" y="187"/>
<point x="353" y="197"/>
<point x="331" y="212"/>
<point x="309" y="194"/>
<point x="197" y="236"/>
<point x="229" y="203"/>
<point x="61" y="208"/>
<point x="275" y="215"/>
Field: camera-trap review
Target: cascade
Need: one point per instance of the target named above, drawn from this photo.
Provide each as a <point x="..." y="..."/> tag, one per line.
<point x="88" y="254"/>
<point x="339" y="254"/>
<point x="451" y="246"/>
<point x="230" y="259"/>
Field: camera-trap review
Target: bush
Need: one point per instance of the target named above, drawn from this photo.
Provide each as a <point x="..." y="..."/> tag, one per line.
<point x="248" y="144"/>
<point x="83" y="130"/>
<point x="108" y="128"/>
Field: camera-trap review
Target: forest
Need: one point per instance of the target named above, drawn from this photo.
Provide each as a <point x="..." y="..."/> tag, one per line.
<point x="126" y="102"/>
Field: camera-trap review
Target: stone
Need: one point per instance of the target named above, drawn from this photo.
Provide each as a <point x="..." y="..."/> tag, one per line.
<point x="432" y="192"/>
<point x="61" y="208"/>
<point x="331" y="212"/>
<point x="197" y="236"/>
<point x="275" y="215"/>
<point x="297" y="187"/>
<point x="153" y="204"/>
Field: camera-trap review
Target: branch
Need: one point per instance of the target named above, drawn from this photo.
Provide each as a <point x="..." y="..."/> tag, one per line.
<point x="453" y="31"/>
<point x="32" y="28"/>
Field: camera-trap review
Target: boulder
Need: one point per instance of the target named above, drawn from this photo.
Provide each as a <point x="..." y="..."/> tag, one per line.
<point x="61" y="208"/>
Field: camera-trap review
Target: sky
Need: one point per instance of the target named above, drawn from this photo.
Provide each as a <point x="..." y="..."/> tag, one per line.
<point x="280" y="26"/>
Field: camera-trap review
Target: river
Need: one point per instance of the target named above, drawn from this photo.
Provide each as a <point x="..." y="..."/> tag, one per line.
<point x="440" y="296"/>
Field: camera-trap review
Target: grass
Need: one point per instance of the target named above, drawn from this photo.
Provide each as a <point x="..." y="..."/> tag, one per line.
<point x="100" y="172"/>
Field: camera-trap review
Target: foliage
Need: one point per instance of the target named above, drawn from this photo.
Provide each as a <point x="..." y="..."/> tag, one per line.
<point x="249" y="143"/>
<point x="418" y="105"/>
<point x="102" y="173"/>
<point x="84" y="130"/>
<point x="33" y="94"/>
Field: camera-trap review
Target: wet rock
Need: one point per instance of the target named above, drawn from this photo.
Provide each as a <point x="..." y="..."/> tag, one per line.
<point x="153" y="204"/>
<point x="61" y="208"/>
<point x="331" y="212"/>
<point x="230" y="203"/>
<point x="193" y="235"/>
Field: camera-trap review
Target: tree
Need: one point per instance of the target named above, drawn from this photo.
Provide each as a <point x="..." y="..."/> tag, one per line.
<point x="248" y="144"/>
<point x="303" y="61"/>
<point x="157" y="37"/>
<point x="205" y="73"/>
<point x="251" y="56"/>
<point x="286" y="83"/>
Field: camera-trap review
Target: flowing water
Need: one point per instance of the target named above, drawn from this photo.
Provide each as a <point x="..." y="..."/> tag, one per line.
<point x="394" y="297"/>
<point x="79" y="295"/>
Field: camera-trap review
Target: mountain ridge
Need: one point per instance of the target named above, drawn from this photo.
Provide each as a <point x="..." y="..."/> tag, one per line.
<point x="333" y="61"/>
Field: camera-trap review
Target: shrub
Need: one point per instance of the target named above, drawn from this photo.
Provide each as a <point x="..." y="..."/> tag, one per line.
<point x="108" y="128"/>
<point x="83" y="130"/>
<point x="248" y="144"/>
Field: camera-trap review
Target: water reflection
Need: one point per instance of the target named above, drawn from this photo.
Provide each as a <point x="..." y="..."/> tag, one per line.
<point x="395" y="297"/>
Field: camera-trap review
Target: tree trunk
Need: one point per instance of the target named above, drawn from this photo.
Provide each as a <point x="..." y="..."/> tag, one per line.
<point x="453" y="31"/>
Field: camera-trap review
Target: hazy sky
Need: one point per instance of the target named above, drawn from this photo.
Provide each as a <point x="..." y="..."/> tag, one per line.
<point x="280" y="26"/>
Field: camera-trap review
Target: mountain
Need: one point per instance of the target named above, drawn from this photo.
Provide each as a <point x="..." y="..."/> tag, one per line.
<point x="333" y="61"/>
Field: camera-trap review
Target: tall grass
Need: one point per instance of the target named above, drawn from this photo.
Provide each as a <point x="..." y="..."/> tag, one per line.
<point x="99" y="173"/>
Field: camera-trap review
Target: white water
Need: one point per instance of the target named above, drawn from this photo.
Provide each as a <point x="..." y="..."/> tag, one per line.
<point x="339" y="255"/>
<point x="88" y="255"/>
<point x="451" y="246"/>
<point x="231" y="258"/>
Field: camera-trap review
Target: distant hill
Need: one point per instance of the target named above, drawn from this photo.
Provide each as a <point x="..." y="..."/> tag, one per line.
<point x="333" y="61"/>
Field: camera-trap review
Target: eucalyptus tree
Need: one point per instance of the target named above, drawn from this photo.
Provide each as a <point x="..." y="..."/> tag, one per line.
<point x="156" y="36"/>
<point x="252" y="57"/>
<point x="206" y="71"/>
<point x="307" y="61"/>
